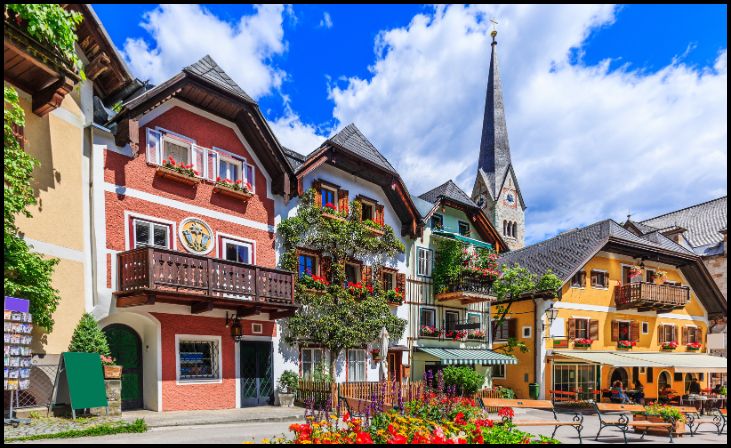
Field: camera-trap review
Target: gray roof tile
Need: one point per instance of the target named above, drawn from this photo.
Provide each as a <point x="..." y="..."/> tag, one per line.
<point x="294" y="158"/>
<point x="449" y="190"/>
<point x="207" y="69"/>
<point x="703" y="222"/>
<point x="351" y="139"/>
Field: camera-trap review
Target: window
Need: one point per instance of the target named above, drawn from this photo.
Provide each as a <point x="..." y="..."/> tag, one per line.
<point x="451" y="318"/>
<point x="428" y="317"/>
<point x="526" y="332"/>
<point x="307" y="265"/>
<point x="464" y="228"/>
<point x="250" y="176"/>
<point x="356" y="365"/>
<point x="229" y="168"/>
<point x="473" y="318"/>
<point x="328" y="197"/>
<point x="257" y="328"/>
<point x="368" y="211"/>
<point x="179" y="150"/>
<point x="599" y="279"/>
<point x="423" y="261"/>
<point x="624" y="331"/>
<point x="626" y="279"/>
<point x="663" y="380"/>
<point x="580" y="378"/>
<point x="693" y="334"/>
<point x="645" y="328"/>
<point x="667" y="333"/>
<point x="237" y="251"/>
<point x="147" y="233"/>
<point x="579" y="280"/>
<point x="313" y="359"/>
<point x="198" y="358"/>
<point x="582" y="329"/>
<point x="352" y="273"/>
<point x="650" y="275"/>
<point x="437" y="221"/>
<point x="502" y="331"/>
<point x="389" y="280"/>
<point x="498" y="371"/>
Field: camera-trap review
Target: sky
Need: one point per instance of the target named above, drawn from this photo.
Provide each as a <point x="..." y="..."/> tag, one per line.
<point x="611" y="109"/>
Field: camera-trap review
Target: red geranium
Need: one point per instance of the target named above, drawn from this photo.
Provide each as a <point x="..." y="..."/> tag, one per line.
<point x="506" y="412"/>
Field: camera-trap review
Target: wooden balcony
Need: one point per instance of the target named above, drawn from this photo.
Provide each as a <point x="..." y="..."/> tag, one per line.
<point x="467" y="289"/>
<point x="148" y="275"/>
<point x="651" y="297"/>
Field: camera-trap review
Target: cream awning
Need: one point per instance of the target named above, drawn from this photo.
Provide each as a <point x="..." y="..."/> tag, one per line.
<point x="681" y="362"/>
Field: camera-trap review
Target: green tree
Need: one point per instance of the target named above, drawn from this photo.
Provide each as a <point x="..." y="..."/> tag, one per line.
<point x="26" y="274"/>
<point x="467" y="380"/>
<point x="335" y="319"/>
<point x="88" y="337"/>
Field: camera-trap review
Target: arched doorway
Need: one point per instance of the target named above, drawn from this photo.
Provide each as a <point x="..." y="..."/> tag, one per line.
<point x="662" y="381"/>
<point x="126" y="348"/>
<point x="619" y="374"/>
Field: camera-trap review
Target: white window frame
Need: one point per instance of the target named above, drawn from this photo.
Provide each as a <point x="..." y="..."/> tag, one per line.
<point x="197" y="337"/>
<point x="231" y="161"/>
<point x="529" y="333"/>
<point x="175" y="140"/>
<point x="393" y="279"/>
<point x="371" y="204"/>
<point x="428" y="261"/>
<point x="357" y="364"/>
<point x="324" y="358"/>
<point x="129" y="217"/>
<point x="251" y="181"/>
<point x="495" y="376"/>
<point x="433" y="313"/>
<point x="358" y="272"/>
<point x="473" y="313"/>
<point x="316" y="264"/>
<point x="152" y="235"/>
<point x="257" y="328"/>
<point x="240" y="242"/>
<point x="588" y="327"/>
<point x="661" y="327"/>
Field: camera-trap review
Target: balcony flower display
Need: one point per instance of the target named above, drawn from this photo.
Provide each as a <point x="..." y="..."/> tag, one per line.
<point x="376" y="354"/>
<point x="429" y="331"/>
<point x="181" y="168"/>
<point x="624" y="344"/>
<point x="635" y="271"/>
<point x="669" y="345"/>
<point x="332" y="209"/>
<point x="238" y="185"/>
<point x="315" y="282"/>
<point x="359" y="290"/>
<point x="395" y="296"/>
<point x="373" y="224"/>
<point x="455" y="335"/>
<point x="476" y="334"/>
<point x="693" y="346"/>
<point x="659" y="276"/>
<point x="583" y="342"/>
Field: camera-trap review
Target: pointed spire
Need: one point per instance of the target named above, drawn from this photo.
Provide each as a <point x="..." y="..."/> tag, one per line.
<point x="494" y="147"/>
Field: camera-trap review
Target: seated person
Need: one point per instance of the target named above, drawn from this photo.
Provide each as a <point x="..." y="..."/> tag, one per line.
<point x="639" y="396"/>
<point x="666" y="394"/>
<point x="618" y="393"/>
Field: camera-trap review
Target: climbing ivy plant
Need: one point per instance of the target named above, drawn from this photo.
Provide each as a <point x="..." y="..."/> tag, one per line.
<point x="26" y="274"/>
<point x="52" y="25"/>
<point x="334" y="317"/>
<point x="454" y="259"/>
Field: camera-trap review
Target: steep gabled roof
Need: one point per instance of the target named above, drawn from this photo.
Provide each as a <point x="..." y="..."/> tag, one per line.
<point x="448" y="190"/>
<point x="207" y="69"/>
<point x="294" y="158"/>
<point x="703" y="222"/>
<point x="353" y="140"/>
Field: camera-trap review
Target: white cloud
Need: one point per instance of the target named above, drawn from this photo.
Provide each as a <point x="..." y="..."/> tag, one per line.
<point x="182" y="34"/>
<point x="587" y="143"/>
<point x="326" y="21"/>
<point x="294" y="134"/>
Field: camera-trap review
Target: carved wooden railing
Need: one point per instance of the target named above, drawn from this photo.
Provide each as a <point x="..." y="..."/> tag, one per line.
<point x="471" y="284"/>
<point x="649" y="295"/>
<point x="163" y="269"/>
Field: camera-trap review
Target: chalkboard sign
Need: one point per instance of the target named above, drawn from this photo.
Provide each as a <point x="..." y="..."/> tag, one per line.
<point x="80" y="382"/>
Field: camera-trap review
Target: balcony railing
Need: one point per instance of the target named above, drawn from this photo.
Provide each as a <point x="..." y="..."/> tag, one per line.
<point x="171" y="273"/>
<point x="649" y="296"/>
<point x="468" y="289"/>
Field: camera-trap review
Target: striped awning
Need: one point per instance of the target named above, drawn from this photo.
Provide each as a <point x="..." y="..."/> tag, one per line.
<point x="681" y="362"/>
<point x="467" y="356"/>
<point x="464" y="239"/>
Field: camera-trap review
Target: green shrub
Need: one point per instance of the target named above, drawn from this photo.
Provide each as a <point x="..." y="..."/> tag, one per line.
<point x="506" y="392"/>
<point x="467" y="380"/>
<point x="289" y="382"/>
<point x="88" y="337"/>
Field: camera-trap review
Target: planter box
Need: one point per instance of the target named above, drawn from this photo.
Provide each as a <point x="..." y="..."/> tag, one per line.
<point x="394" y="303"/>
<point x="375" y="231"/>
<point x="624" y="348"/>
<point x="230" y="192"/>
<point x="285" y="400"/>
<point x="176" y="176"/>
<point x="112" y="372"/>
<point x="331" y="216"/>
<point x="315" y="291"/>
<point x="677" y="432"/>
<point x="582" y="347"/>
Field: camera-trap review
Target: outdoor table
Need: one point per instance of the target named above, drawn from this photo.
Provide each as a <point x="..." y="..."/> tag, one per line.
<point x="715" y="403"/>
<point x="697" y="401"/>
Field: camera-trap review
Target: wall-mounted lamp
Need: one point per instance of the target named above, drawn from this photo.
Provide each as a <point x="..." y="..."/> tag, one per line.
<point x="234" y="323"/>
<point x="551" y="314"/>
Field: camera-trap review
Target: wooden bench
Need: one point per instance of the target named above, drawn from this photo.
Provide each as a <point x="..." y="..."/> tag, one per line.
<point x="623" y="421"/>
<point x="577" y="423"/>
<point x="693" y="419"/>
<point x="563" y="395"/>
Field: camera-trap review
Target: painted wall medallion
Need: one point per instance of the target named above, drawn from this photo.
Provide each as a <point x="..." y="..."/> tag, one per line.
<point x="196" y="236"/>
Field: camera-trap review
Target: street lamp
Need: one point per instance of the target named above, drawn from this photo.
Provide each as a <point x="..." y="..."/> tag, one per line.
<point x="551" y="314"/>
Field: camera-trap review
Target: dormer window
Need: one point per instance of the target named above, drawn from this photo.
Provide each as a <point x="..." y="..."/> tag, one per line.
<point x="437" y="221"/>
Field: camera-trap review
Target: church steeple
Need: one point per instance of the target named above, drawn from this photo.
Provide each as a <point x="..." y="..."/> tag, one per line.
<point x="496" y="187"/>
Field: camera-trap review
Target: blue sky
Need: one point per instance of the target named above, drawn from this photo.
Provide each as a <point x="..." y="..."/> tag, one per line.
<point x="412" y="78"/>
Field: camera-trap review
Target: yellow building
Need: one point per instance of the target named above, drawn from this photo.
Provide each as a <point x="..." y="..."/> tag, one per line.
<point x="619" y="288"/>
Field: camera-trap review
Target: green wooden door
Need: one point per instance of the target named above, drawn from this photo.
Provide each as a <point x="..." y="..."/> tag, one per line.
<point x="257" y="386"/>
<point x="126" y="348"/>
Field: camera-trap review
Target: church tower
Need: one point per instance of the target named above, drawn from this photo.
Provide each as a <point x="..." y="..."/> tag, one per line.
<point x="496" y="187"/>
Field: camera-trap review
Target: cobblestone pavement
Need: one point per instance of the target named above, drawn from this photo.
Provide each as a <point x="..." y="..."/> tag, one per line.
<point x="53" y="425"/>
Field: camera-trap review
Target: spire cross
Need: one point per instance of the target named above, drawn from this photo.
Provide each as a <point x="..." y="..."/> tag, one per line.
<point x="494" y="31"/>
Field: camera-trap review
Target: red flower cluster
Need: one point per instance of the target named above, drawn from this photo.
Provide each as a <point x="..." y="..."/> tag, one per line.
<point x="330" y="205"/>
<point x="179" y="167"/>
<point x="670" y="345"/>
<point x="694" y="345"/>
<point x="626" y="344"/>
<point x="320" y="279"/>
<point x="506" y="413"/>
<point x="583" y="341"/>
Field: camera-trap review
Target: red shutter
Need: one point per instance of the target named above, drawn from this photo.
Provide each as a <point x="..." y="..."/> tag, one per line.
<point x="317" y="185"/>
<point x="594" y="330"/>
<point x="572" y="329"/>
<point x="367" y="274"/>
<point x="634" y="331"/>
<point x="343" y="201"/>
<point x="379" y="214"/>
<point x="615" y="330"/>
<point x="685" y="335"/>
<point x="401" y="283"/>
<point x="512" y="328"/>
<point x="325" y="267"/>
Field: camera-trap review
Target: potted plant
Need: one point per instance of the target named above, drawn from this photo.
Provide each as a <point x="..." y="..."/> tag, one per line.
<point x="376" y="354"/>
<point x="582" y="343"/>
<point x="669" y="346"/>
<point x="635" y="271"/>
<point x="288" y="384"/>
<point x="626" y="345"/>
<point x="659" y="276"/>
<point x="428" y="331"/>
<point x="657" y="413"/>
<point x="693" y="346"/>
<point x="237" y="189"/>
<point x="111" y="370"/>
<point x="476" y="334"/>
<point x="394" y="296"/>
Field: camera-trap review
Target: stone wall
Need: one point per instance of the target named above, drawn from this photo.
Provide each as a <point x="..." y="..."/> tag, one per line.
<point x="717" y="267"/>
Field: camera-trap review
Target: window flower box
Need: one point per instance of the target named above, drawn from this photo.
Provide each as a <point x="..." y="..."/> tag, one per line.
<point x="314" y="284"/>
<point x="233" y="189"/>
<point x="693" y="346"/>
<point x="455" y="335"/>
<point x="394" y="297"/>
<point x="177" y="175"/>
<point x="476" y="335"/>
<point x="669" y="346"/>
<point x="374" y="227"/>
<point x="429" y="332"/>
<point x="359" y="290"/>
<point x="330" y="211"/>
<point x="583" y="343"/>
<point x="626" y="345"/>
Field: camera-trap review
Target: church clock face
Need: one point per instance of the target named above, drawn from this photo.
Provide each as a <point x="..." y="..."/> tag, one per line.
<point x="510" y="198"/>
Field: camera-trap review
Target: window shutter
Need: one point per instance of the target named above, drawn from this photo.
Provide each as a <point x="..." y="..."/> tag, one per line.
<point x="615" y="330"/>
<point x="635" y="374"/>
<point x="685" y="335"/>
<point x="661" y="334"/>
<point x="401" y="283"/>
<point x="675" y="333"/>
<point x="634" y="331"/>
<point x="325" y="263"/>
<point x="199" y="160"/>
<point x="572" y="329"/>
<point x="699" y="335"/>
<point x="605" y="280"/>
<point x="153" y="141"/>
<point x="583" y="279"/>
<point x="343" y="200"/>
<point x="594" y="330"/>
<point x="379" y="214"/>
<point x="594" y="281"/>
<point x="366" y="274"/>
<point x="512" y="328"/>
<point x="678" y="376"/>
<point x="212" y="162"/>
<point x="650" y="375"/>
<point x="317" y="185"/>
